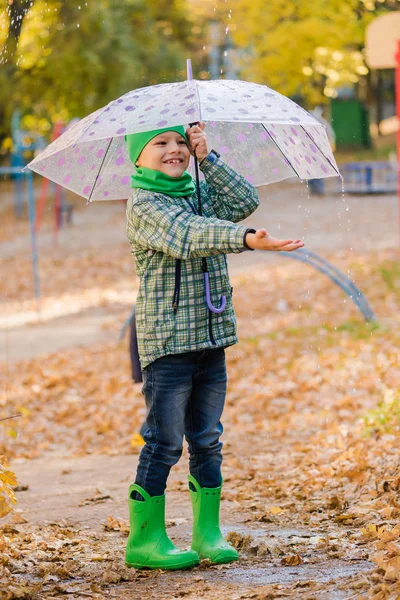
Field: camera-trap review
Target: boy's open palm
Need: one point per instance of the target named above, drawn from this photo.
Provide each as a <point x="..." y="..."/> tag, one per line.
<point x="261" y="240"/>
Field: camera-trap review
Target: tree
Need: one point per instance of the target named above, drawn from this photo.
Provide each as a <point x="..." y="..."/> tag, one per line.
<point x="66" y="58"/>
<point x="301" y="48"/>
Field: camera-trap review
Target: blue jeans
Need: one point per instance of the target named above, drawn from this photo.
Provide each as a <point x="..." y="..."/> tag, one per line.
<point x="185" y="396"/>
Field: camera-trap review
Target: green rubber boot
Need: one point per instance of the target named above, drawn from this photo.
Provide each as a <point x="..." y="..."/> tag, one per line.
<point x="148" y="543"/>
<point x="207" y="539"/>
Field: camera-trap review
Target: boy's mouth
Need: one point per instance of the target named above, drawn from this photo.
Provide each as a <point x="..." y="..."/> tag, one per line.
<point x="173" y="161"/>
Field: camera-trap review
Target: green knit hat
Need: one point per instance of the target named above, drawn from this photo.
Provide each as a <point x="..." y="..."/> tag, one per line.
<point x="137" y="141"/>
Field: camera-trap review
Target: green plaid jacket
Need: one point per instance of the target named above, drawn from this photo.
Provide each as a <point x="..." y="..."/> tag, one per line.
<point x="162" y="230"/>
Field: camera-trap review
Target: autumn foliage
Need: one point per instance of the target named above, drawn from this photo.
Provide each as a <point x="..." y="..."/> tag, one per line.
<point x="312" y="426"/>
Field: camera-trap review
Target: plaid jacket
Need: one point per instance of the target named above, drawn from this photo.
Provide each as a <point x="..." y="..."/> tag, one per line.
<point x="168" y="240"/>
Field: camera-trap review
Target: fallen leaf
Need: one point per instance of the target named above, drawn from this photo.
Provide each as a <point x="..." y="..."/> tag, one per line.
<point x="292" y="560"/>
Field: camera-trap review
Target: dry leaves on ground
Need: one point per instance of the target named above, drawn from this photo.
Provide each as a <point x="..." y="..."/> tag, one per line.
<point x="311" y="422"/>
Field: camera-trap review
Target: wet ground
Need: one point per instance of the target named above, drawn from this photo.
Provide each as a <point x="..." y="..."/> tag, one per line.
<point x="80" y="494"/>
<point x="71" y="519"/>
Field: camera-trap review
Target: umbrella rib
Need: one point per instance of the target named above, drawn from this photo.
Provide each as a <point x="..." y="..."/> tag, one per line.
<point x="198" y="96"/>
<point x="98" y="172"/>
<point x="325" y="157"/>
<point x="280" y="150"/>
<point x="88" y="127"/>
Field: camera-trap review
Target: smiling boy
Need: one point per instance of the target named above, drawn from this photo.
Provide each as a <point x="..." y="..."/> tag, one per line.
<point x="181" y="341"/>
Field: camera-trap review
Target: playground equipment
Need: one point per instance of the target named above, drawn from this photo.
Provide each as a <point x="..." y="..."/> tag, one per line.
<point x="383" y="52"/>
<point x="372" y="177"/>
<point x="335" y="275"/>
<point x="62" y="210"/>
<point x="22" y="144"/>
<point x="26" y="177"/>
<point x="23" y="188"/>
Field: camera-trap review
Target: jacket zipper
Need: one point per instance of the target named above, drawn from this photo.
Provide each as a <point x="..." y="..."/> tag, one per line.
<point x="177" y="288"/>
<point x="210" y="328"/>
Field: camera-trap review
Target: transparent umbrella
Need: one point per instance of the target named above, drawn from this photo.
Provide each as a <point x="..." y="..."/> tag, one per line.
<point x="263" y="135"/>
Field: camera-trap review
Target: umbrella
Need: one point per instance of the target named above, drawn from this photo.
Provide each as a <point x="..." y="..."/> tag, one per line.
<point x="260" y="133"/>
<point x="263" y="135"/>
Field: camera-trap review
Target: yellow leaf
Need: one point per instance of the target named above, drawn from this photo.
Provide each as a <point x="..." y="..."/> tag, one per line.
<point x="137" y="440"/>
<point x="5" y="506"/>
<point x="113" y="524"/>
<point x="8" y="478"/>
<point x="276" y="510"/>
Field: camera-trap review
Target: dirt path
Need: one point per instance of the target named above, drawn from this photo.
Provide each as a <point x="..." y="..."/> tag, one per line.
<point x="80" y="494"/>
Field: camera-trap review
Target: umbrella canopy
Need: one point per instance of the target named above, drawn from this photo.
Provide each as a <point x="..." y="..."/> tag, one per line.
<point x="263" y="135"/>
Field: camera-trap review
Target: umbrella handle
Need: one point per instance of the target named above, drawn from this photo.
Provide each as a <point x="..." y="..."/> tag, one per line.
<point x="208" y="297"/>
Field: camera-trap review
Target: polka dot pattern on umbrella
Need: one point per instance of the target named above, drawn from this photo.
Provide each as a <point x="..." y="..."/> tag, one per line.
<point x="262" y="134"/>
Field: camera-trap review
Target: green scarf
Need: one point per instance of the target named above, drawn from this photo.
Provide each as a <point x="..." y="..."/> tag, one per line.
<point x="156" y="181"/>
<point x="150" y="179"/>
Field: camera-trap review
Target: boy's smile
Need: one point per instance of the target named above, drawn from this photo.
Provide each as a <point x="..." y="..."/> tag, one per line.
<point x="167" y="152"/>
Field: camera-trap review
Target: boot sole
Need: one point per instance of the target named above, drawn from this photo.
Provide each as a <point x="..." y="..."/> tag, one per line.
<point x="222" y="561"/>
<point x="172" y="567"/>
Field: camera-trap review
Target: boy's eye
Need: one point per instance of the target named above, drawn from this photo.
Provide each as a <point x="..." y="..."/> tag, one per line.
<point x="160" y="143"/>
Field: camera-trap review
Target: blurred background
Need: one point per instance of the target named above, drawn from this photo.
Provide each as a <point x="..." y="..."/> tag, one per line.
<point x="62" y="60"/>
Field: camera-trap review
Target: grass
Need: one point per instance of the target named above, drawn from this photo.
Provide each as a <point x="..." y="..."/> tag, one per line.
<point x="390" y="273"/>
<point x="385" y="418"/>
<point x="358" y="330"/>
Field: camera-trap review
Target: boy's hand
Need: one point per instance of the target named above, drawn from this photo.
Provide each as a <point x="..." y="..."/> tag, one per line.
<point x="198" y="141"/>
<point x="262" y="241"/>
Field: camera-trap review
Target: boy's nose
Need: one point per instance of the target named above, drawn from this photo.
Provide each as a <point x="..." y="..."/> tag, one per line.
<point x="174" y="147"/>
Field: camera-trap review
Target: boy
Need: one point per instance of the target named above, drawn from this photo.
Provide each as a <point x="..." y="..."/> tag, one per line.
<point x="182" y="340"/>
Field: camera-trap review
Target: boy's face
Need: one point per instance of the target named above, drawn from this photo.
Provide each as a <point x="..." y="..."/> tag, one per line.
<point x="167" y="152"/>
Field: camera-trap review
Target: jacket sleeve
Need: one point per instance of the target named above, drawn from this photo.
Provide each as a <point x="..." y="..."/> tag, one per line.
<point x="232" y="197"/>
<point x="154" y="224"/>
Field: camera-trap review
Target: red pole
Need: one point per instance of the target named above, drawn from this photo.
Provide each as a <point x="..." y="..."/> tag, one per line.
<point x="397" y="92"/>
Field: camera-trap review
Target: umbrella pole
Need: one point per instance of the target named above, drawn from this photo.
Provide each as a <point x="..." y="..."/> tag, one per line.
<point x="189" y="72"/>
<point x="196" y="170"/>
<point x="200" y="212"/>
